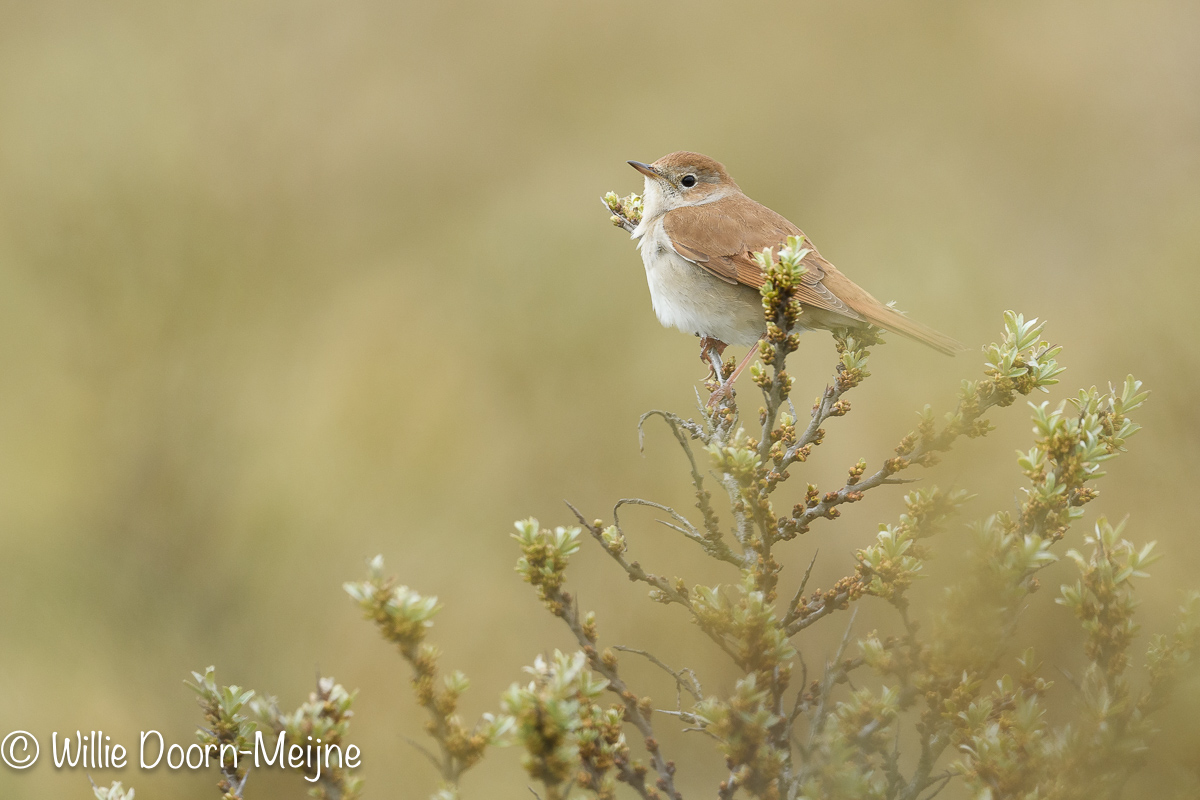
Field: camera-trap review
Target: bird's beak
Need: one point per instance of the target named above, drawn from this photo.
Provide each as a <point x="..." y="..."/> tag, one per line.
<point x="645" y="169"/>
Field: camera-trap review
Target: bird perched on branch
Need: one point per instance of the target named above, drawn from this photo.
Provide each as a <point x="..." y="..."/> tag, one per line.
<point x="698" y="235"/>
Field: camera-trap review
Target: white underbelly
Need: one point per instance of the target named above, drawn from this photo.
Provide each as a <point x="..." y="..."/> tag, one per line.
<point x="691" y="299"/>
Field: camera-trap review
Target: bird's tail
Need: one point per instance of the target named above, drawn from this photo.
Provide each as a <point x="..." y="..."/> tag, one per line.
<point x="890" y="319"/>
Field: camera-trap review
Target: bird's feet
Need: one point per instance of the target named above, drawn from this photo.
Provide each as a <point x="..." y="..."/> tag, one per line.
<point x="725" y="389"/>
<point x="710" y="355"/>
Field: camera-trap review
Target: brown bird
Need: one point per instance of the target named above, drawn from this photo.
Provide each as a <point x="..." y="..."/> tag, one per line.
<point x="698" y="236"/>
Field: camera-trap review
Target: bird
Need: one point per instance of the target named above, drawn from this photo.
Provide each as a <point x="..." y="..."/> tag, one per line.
<point x="698" y="236"/>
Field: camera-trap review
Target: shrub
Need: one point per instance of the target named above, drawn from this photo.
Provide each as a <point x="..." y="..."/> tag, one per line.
<point x="941" y="700"/>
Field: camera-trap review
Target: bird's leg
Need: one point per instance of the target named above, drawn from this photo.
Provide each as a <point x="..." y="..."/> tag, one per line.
<point x="727" y="386"/>
<point x="710" y="355"/>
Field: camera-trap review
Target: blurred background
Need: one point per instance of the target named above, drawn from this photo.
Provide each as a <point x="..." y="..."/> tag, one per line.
<point x="284" y="285"/>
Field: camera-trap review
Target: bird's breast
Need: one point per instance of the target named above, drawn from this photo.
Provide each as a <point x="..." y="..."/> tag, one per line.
<point x="689" y="298"/>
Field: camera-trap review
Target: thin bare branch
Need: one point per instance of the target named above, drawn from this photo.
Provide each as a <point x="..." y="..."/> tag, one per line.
<point x="425" y="752"/>
<point x="1071" y="679"/>
<point x="714" y="547"/>
<point x="667" y="592"/>
<point x="833" y="672"/>
<point x="945" y="781"/>
<point x="682" y="429"/>
<point x="688" y="529"/>
<point x="932" y="744"/>
<point x="633" y="711"/>
<point x="799" y="596"/>
<point x="691" y="685"/>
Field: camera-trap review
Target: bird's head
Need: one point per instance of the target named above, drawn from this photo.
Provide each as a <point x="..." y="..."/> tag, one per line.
<point x="683" y="179"/>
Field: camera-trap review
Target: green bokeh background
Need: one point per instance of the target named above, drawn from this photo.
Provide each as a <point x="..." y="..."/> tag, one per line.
<point x="287" y="284"/>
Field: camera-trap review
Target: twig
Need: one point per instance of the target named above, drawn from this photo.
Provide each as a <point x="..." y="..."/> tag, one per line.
<point x="678" y="426"/>
<point x="812" y="614"/>
<point x="728" y="787"/>
<point x="919" y="453"/>
<point x="675" y="422"/>
<point x="792" y="612"/>
<point x="827" y="406"/>
<point x="813" y="435"/>
<point x="800" y="706"/>
<point x="425" y="752"/>
<point x="668" y="592"/>
<point x="692" y="687"/>
<point x="715" y="548"/>
<point x="697" y="724"/>
<point x="776" y="391"/>
<point x="932" y="745"/>
<point x="832" y="671"/>
<point x="624" y="222"/>
<point x="891" y="763"/>
<point x="633" y="713"/>
<point x="1071" y="679"/>
<point x="945" y="779"/>
<point x="688" y="530"/>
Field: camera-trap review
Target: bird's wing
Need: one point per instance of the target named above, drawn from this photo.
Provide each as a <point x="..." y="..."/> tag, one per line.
<point x="723" y="236"/>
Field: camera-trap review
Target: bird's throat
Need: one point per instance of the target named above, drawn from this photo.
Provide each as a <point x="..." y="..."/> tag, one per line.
<point x="653" y="207"/>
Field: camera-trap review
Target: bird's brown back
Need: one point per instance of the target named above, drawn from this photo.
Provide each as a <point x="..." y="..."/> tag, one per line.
<point x="723" y="236"/>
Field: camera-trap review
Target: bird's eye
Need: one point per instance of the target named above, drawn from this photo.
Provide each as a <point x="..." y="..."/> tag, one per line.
<point x="688" y="181"/>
